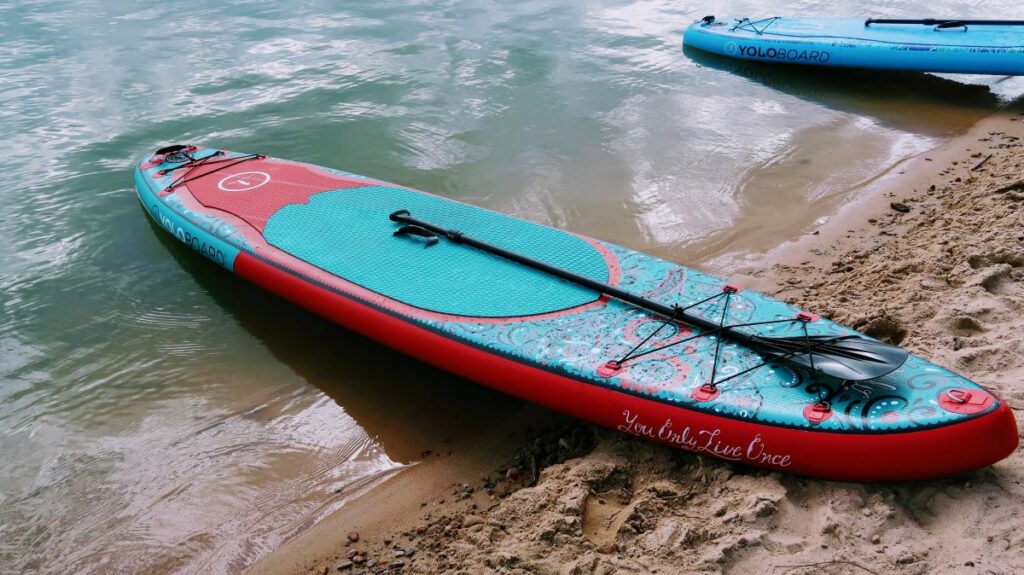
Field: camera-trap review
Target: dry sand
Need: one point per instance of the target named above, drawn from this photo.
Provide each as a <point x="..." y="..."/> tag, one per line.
<point x="944" y="278"/>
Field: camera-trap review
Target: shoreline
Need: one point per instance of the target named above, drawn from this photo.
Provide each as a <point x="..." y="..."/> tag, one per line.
<point x="933" y="260"/>
<point x="940" y="166"/>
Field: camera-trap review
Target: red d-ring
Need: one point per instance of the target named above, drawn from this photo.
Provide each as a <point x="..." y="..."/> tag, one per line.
<point x="807" y="317"/>
<point x="732" y="288"/>
<point x="965" y="401"/>
<point x="818" y="412"/>
<point x="706" y="392"/>
<point x="609" y="369"/>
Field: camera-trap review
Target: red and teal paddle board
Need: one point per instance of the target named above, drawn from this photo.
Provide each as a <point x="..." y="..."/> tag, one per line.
<point x="708" y="381"/>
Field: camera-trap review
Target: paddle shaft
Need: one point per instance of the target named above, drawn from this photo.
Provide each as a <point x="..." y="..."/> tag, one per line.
<point x="936" y="21"/>
<point x="845" y="357"/>
<point x="402" y="216"/>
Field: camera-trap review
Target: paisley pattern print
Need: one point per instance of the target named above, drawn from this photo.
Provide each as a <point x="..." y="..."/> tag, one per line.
<point x="578" y="344"/>
<point x="212" y="225"/>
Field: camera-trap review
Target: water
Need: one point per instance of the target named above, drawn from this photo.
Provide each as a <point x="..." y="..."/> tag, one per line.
<point x="157" y="414"/>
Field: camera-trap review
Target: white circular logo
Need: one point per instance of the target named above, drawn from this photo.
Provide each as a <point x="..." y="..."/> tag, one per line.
<point x="243" y="181"/>
<point x="731" y="48"/>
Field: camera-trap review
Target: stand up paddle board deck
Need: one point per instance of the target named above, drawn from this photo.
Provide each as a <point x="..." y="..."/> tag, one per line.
<point x="928" y="45"/>
<point x="487" y="302"/>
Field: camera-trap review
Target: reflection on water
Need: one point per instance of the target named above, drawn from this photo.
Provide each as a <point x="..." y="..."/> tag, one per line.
<point x="432" y="407"/>
<point x="916" y="103"/>
<point x="159" y="414"/>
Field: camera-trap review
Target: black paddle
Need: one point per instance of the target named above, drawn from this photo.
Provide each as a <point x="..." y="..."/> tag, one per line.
<point x="850" y="357"/>
<point x="950" y="23"/>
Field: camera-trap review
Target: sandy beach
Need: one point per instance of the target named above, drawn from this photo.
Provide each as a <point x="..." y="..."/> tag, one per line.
<point x="933" y="262"/>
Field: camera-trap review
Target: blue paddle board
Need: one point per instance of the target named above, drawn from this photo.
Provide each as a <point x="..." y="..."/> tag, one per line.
<point x="928" y="45"/>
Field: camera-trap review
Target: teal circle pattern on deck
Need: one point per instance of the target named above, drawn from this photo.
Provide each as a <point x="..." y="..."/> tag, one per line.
<point x="347" y="233"/>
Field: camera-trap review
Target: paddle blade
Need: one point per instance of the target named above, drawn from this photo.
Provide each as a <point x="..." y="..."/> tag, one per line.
<point x="850" y="357"/>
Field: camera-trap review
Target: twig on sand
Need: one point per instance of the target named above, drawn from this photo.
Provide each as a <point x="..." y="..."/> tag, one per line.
<point x="825" y="563"/>
<point x="982" y="163"/>
<point x="1018" y="185"/>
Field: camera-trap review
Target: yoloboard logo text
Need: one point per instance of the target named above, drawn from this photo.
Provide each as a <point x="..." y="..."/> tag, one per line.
<point x="192" y="241"/>
<point x="790" y="55"/>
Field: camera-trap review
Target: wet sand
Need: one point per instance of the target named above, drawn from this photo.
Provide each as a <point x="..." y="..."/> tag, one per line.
<point x="933" y="260"/>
